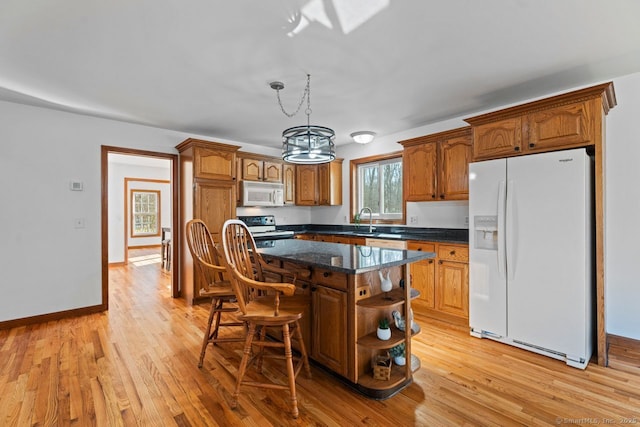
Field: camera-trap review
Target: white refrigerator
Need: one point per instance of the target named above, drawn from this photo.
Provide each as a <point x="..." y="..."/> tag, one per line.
<point x="531" y="276"/>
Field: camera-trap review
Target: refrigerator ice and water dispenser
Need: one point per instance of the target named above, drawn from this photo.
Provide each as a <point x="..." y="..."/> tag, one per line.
<point x="486" y="232"/>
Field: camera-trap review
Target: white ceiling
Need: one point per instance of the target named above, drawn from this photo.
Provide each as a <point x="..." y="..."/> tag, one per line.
<point x="204" y="66"/>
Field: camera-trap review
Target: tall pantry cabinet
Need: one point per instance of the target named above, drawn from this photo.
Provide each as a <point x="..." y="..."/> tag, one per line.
<point x="207" y="192"/>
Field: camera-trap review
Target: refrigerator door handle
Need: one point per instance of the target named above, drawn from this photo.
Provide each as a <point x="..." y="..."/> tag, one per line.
<point x="510" y="233"/>
<point x="501" y="242"/>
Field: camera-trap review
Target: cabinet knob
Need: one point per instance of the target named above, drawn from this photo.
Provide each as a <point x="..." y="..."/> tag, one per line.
<point x="430" y="261"/>
<point x="313" y="289"/>
<point x="442" y="196"/>
<point x="452" y="253"/>
<point x="326" y="274"/>
<point x="419" y="249"/>
<point x="516" y="148"/>
<point x="433" y="196"/>
<point x="440" y="262"/>
<point x="532" y="145"/>
<point x="305" y="286"/>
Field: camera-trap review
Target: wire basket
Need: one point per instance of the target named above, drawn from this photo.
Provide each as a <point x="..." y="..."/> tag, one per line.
<point x="381" y="365"/>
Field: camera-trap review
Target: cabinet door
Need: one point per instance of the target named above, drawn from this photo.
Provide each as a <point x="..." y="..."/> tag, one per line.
<point x="330" y="183"/>
<point x="272" y="171"/>
<point x="561" y="127"/>
<point x="329" y="332"/>
<point x="214" y="203"/>
<point x="423" y="274"/>
<point x="453" y="178"/>
<point x="420" y="172"/>
<point x="497" y="139"/>
<point x="289" y="175"/>
<point x="252" y="169"/>
<point x="306" y="185"/>
<point x="211" y="163"/>
<point x="452" y="288"/>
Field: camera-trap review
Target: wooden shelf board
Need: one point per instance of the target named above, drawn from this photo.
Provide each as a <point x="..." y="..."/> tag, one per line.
<point x="387" y="299"/>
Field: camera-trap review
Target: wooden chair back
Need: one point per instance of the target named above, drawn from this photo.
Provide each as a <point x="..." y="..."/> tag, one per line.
<point x="245" y="266"/>
<point x="205" y="255"/>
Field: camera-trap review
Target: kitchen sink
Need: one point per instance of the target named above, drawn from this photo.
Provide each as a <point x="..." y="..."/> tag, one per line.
<point x="378" y="235"/>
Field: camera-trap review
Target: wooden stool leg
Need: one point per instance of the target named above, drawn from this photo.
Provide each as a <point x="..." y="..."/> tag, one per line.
<point x="290" y="371"/>
<point x="207" y="333"/>
<point x="216" y="328"/>
<point x="303" y="350"/>
<point x="263" y="337"/>
<point x="243" y="364"/>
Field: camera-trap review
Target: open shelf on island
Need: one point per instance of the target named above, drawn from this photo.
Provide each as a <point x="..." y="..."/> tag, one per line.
<point x="387" y="299"/>
<point x="372" y="341"/>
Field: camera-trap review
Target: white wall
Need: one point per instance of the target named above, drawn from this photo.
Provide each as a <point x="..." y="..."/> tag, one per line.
<point x="46" y="264"/>
<point x="622" y="213"/>
<point x="117" y="174"/>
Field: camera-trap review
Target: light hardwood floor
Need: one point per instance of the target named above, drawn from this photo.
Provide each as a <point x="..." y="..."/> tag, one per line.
<point x="137" y="365"/>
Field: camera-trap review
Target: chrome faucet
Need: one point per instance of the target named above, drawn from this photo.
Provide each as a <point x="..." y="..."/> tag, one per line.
<point x="370" y="217"/>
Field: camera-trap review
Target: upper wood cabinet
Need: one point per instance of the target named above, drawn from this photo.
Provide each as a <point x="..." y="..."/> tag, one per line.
<point x="260" y="169"/>
<point x="565" y="121"/>
<point x="289" y="180"/>
<point x="435" y="167"/>
<point x="306" y="185"/>
<point x="211" y="160"/>
<point x="319" y="184"/>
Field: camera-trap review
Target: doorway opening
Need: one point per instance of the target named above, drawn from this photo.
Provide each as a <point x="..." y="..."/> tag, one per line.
<point x="127" y="176"/>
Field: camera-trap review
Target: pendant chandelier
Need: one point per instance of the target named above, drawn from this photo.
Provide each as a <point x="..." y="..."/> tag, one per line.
<point x="305" y="144"/>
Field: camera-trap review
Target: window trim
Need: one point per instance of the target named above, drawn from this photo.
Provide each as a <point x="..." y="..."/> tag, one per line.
<point x="133" y="192"/>
<point x="353" y="185"/>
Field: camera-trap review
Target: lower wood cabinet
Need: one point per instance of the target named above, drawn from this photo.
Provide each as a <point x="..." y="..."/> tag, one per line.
<point x="443" y="282"/>
<point x="329" y="333"/>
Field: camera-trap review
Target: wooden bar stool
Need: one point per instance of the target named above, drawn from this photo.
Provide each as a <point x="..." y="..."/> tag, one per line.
<point x="261" y="307"/>
<point x="213" y="284"/>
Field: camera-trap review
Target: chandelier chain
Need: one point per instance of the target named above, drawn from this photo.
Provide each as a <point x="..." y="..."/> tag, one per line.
<point x="306" y="94"/>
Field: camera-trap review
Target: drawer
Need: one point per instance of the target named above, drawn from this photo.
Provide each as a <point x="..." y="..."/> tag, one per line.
<point x="332" y="279"/>
<point x="421" y="246"/>
<point x="453" y="253"/>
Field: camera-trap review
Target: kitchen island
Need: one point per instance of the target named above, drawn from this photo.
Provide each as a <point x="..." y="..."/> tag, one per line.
<point x="346" y="303"/>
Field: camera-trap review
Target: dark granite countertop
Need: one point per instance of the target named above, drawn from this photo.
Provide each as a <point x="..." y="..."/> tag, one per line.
<point x="442" y="235"/>
<point x="350" y="259"/>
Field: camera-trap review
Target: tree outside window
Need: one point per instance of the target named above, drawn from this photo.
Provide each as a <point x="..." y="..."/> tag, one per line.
<point x="145" y="213"/>
<point x="380" y="188"/>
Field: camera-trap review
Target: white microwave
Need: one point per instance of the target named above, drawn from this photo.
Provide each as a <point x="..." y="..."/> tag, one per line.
<point x="256" y="193"/>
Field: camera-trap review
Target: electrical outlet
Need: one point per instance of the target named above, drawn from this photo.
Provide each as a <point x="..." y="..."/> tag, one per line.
<point x="413" y="220"/>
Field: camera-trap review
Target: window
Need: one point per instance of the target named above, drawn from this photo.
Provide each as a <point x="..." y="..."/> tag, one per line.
<point x="145" y="213"/>
<point x="377" y="184"/>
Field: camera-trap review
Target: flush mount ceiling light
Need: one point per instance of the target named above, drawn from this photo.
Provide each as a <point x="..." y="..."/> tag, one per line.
<point x="363" y="137"/>
<point x="305" y="144"/>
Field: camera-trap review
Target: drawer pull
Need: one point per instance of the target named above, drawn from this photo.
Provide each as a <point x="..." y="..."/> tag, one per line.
<point x="452" y="252"/>
<point x="326" y="274"/>
<point x="419" y="249"/>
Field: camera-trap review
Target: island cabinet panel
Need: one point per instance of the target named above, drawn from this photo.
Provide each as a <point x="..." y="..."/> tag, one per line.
<point x="329" y="331"/>
<point x="452" y="292"/>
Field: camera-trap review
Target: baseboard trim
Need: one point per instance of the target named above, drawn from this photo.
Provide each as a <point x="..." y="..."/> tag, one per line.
<point x="8" y="324"/>
<point x="624" y="353"/>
